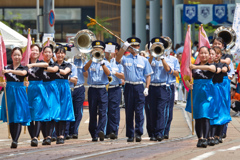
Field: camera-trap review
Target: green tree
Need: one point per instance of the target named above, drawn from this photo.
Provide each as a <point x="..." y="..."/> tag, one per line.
<point x="100" y="33"/>
<point x="15" y="23"/>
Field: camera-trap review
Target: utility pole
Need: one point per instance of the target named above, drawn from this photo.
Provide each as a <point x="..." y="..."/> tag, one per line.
<point x="47" y="6"/>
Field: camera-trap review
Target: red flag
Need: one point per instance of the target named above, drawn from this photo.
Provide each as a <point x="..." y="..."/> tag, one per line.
<point x="3" y="55"/>
<point x="202" y="40"/>
<point x="186" y="73"/>
<point x="41" y="54"/>
<point x="27" y="52"/>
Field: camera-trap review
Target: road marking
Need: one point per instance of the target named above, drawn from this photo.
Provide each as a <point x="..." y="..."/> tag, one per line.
<point x="87" y="121"/>
<point x="2" y="140"/>
<point x="208" y="154"/>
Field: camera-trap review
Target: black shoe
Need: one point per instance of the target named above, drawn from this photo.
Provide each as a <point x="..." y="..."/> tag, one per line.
<point x="14" y="144"/>
<point x="53" y="139"/>
<point x="106" y="136"/>
<point x="101" y="136"/>
<point x="216" y="141"/>
<point x="58" y="139"/>
<point x="34" y="142"/>
<point x="61" y="141"/>
<point x="95" y="139"/>
<point x="224" y="135"/>
<point x="220" y="140"/>
<point x="138" y="138"/>
<point x="153" y="139"/>
<point x="112" y="136"/>
<point x="44" y="142"/>
<point x="67" y="137"/>
<point x="208" y="141"/>
<point x="130" y="139"/>
<point x="211" y="143"/>
<point x="159" y="138"/>
<point x="74" y="136"/>
<point x="199" y="144"/>
<point x="48" y="141"/>
<point x="204" y="143"/>
<point x="165" y="136"/>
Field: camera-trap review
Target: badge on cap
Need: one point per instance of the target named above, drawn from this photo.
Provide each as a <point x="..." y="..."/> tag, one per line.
<point x="133" y="40"/>
<point x="109" y="43"/>
<point x="157" y="40"/>
<point x="97" y="43"/>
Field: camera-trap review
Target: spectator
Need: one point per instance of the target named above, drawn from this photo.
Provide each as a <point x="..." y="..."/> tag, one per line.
<point x="235" y="100"/>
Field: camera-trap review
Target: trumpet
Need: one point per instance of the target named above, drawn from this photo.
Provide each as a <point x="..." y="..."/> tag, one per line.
<point x="169" y="42"/>
<point x="97" y="55"/>
<point x="51" y="43"/>
<point x="157" y="49"/>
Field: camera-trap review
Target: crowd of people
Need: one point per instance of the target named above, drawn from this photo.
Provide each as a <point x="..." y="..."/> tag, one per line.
<point x="52" y="99"/>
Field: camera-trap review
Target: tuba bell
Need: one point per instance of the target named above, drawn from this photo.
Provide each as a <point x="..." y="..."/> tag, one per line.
<point x="228" y="35"/>
<point x="83" y="40"/>
<point x="157" y="49"/>
<point x="51" y="43"/>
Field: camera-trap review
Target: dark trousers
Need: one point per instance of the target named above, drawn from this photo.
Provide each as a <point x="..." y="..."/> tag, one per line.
<point x="34" y="129"/>
<point x="15" y="130"/>
<point x="98" y="100"/>
<point x="78" y="97"/>
<point x="159" y="97"/>
<point x="148" y="116"/>
<point x="202" y="127"/>
<point x="169" y="110"/>
<point x="113" y="114"/>
<point x="134" y="101"/>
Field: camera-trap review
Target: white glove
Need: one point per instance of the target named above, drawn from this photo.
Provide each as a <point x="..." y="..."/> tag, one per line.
<point x="114" y="72"/>
<point x="101" y="62"/>
<point x="145" y="92"/>
<point x="125" y="46"/>
<point x="162" y="57"/>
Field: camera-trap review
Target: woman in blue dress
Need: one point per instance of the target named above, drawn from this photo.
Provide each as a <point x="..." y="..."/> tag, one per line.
<point x="226" y="58"/>
<point x="17" y="101"/>
<point x="66" y="106"/>
<point x="224" y="114"/>
<point x="203" y="92"/>
<point x="36" y="92"/>
<point x="49" y="83"/>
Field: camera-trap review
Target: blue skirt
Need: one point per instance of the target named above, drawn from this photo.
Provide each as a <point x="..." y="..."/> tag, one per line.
<point x="203" y="99"/>
<point x="53" y="99"/>
<point x="224" y="108"/>
<point x="38" y="101"/>
<point x="66" y="111"/>
<point x="17" y="102"/>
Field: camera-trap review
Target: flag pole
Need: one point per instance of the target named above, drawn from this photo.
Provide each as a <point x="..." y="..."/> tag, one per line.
<point x="5" y="94"/>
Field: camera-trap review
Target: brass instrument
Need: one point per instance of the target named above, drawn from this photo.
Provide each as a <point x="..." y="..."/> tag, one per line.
<point x="169" y="42"/>
<point x="83" y="40"/>
<point x="51" y="43"/>
<point x="110" y="79"/>
<point x="97" y="55"/>
<point x="157" y="49"/>
<point x="228" y="35"/>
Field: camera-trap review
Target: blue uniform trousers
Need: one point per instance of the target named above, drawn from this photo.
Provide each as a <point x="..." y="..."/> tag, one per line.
<point x="148" y="116"/>
<point x="78" y="97"/>
<point x="113" y="114"/>
<point x="169" y="110"/>
<point x="98" y="99"/>
<point x="159" y="97"/>
<point x="134" y="101"/>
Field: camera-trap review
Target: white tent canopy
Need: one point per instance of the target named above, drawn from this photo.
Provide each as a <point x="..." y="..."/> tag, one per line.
<point x="11" y="37"/>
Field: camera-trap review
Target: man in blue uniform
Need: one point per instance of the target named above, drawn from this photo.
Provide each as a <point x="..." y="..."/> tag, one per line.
<point x="114" y="93"/>
<point x="137" y="70"/>
<point x="171" y="65"/>
<point x="78" y="96"/>
<point x="98" y="72"/>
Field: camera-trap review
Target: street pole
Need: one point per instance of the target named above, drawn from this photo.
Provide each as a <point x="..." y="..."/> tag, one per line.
<point x="47" y="6"/>
<point x="37" y="23"/>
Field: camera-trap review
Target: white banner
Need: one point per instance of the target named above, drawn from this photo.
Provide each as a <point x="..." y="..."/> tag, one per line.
<point x="231" y="10"/>
<point x="236" y="26"/>
<point x="205" y="13"/>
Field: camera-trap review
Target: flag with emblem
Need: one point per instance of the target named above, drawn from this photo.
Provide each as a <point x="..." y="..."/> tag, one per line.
<point x="202" y="41"/>
<point x="27" y="51"/>
<point x="3" y="55"/>
<point x="186" y="73"/>
<point x="41" y="54"/>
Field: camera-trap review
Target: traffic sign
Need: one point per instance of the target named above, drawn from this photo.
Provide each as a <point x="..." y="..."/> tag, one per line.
<point x="51" y="18"/>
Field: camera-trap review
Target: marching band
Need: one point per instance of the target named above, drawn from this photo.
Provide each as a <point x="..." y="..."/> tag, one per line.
<point x="52" y="99"/>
